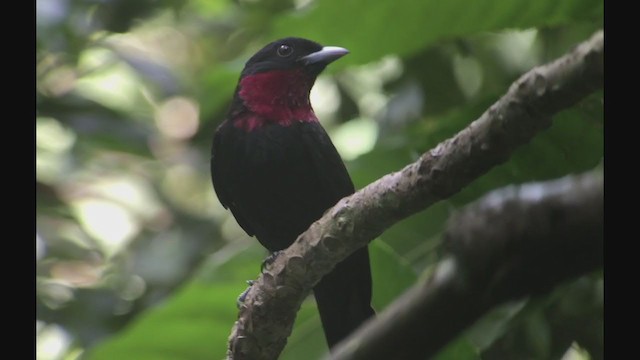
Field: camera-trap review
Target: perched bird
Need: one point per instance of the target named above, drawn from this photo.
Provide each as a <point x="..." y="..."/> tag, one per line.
<point x="276" y="169"/>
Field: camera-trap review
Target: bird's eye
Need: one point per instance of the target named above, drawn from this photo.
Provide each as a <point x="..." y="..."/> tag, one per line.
<point x="285" y="50"/>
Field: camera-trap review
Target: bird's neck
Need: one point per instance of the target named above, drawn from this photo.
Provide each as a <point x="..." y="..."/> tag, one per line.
<point x="278" y="96"/>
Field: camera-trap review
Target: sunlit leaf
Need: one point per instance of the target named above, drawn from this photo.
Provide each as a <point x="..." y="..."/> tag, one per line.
<point x="405" y="26"/>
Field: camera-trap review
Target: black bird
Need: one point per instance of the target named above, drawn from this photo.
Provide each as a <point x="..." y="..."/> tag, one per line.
<point x="276" y="169"/>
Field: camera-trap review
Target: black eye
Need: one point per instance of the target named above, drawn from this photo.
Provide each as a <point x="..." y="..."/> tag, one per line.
<point x="285" y="50"/>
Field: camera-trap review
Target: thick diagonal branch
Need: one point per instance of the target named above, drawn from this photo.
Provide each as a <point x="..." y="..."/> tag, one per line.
<point x="513" y="242"/>
<point x="268" y="313"/>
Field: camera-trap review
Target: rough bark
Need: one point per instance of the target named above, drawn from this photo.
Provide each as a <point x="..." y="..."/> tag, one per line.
<point x="514" y="242"/>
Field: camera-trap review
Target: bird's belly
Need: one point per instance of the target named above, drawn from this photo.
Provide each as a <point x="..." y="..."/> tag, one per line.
<point x="279" y="190"/>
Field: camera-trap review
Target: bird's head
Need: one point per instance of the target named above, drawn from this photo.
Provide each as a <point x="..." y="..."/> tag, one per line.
<point x="293" y="54"/>
<point x="276" y="81"/>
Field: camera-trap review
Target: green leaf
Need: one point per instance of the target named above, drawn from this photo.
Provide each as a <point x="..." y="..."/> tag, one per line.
<point x="204" y="310"/>
<point x="193" y="324"/>
<point x="573" y="144"/>
<point x="391" y="274"/>
<point x="198" y="315"/>
<point x="458" y="350"/>
<point x="403" y="27"/>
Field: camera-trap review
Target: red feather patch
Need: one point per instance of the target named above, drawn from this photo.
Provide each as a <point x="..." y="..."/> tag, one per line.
<point x="279" y="96"/>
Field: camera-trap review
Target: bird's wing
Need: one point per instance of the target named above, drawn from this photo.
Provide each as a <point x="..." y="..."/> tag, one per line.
<point x="329" y="166"/>
<point x="223" y="177"/>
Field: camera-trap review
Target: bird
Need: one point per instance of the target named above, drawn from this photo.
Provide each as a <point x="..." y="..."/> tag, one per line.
<point x="276" y="169"/>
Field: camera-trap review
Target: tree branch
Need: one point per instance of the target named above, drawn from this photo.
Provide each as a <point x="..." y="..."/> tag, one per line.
<point x="514" y="242"/>
<point x="269" y="310"/>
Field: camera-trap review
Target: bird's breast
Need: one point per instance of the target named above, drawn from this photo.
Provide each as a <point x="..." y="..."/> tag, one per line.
<point x="276" y="182"/>
<point x="284" y="116"/>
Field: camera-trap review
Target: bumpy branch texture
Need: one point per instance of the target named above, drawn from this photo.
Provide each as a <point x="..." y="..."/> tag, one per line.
<point x="513" y="242"/>
<point x="269" y="310"/>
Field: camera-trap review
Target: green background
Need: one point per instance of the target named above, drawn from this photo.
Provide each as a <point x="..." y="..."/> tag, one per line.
<point x="136" y="259"/>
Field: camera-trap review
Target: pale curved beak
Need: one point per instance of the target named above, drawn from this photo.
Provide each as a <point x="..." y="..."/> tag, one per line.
<point x="326" y="55"/>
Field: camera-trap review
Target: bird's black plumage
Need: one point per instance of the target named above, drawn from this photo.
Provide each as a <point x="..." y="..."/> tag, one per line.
<point x="276" y="169"/>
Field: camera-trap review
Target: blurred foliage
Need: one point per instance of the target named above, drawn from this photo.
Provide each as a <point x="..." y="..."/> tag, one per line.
<point x="135" y="257"/>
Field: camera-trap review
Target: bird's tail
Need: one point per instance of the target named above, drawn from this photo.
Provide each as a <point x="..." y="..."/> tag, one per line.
<point x="344" y="297"/>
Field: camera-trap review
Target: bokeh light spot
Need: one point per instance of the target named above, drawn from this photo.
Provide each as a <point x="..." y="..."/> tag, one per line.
<point x="355" y="137"/>
<point x="177" y="118"/>
<point x="108" y="81"/>
<point x="107" y="222"/>
<point x="52" y="342"/>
